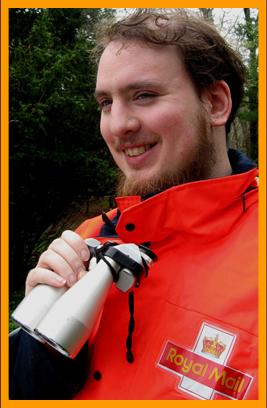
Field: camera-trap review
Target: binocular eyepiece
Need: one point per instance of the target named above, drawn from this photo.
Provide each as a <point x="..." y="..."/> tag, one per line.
<point x="66" y="318"/>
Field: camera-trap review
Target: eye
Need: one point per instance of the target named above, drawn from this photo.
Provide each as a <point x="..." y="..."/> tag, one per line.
<point x="145" y="95"/>
<point x="104" y="104"/>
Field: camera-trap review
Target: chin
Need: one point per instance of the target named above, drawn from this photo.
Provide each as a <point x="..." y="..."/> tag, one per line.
<point x="142" y="184"/>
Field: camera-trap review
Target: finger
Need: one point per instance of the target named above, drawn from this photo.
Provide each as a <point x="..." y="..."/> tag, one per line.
<point x="54" y="262"/>
<point x="67" y="252"/>
<point x="81" y="274"/>
<point x="77" y="243"/>
<point x="41" y="275"/>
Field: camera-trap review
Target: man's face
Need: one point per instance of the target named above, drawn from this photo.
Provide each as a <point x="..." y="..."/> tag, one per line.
<point x="151" y="117"/>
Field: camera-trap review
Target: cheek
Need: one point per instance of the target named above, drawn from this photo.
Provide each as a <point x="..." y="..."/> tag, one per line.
<point x="105" y="133"/>
<point x="169" y="126"/>
<point x="169" y="119"/>
<point x="179" y="134"/>
<point x="163" y="120"/>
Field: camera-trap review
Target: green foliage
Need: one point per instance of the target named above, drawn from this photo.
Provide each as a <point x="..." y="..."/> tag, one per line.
<point x="56" y="151"/>
<point x="247" y="31"/>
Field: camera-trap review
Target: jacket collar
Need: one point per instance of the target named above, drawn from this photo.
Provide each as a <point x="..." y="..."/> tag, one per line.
<point x="206" y="208"/>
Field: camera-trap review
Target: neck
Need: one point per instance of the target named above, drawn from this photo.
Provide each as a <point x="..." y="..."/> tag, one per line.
<point x="222" y="166"/>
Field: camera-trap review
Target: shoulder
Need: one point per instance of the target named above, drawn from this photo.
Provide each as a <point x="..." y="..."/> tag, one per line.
<point x="91" y="227"/>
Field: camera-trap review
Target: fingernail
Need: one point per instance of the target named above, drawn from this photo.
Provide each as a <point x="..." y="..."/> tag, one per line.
<point x="85" y="255"/>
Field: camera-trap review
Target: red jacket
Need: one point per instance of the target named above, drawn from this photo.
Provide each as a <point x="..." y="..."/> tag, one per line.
<point x="195" y="335"/>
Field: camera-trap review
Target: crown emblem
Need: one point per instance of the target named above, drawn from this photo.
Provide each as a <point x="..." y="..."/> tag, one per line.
<point x="212" y="345"/>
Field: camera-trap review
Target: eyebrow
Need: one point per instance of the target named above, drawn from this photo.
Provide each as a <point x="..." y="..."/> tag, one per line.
<point x="130" y="87"/>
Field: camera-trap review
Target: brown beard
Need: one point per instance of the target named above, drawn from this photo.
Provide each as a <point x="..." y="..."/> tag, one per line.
<point x="197" y="168"/>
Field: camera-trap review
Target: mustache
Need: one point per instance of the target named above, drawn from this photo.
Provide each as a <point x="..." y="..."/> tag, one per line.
<point x="133" y="140"/>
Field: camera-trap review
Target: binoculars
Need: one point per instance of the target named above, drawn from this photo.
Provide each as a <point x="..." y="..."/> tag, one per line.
<point x="65" y="318"/>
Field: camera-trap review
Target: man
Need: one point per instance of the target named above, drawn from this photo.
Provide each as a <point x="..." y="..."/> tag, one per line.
<point x="168" y="87"/>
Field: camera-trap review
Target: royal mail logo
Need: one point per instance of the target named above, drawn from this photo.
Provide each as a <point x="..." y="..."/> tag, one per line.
<point x="203" y="370"/>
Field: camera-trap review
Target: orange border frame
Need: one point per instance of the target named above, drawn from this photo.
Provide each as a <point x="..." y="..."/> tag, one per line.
<point x="5" y="5"/>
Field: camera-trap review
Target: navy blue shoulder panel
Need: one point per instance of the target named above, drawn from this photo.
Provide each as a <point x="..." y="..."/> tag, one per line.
<point x="109" y="227"/>
<point x="240" y="162"/>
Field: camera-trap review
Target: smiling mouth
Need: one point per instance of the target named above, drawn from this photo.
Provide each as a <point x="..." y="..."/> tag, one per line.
<point x="138" y="151"/>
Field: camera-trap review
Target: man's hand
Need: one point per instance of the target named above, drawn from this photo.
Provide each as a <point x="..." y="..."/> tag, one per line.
<point x="63" y="263"/>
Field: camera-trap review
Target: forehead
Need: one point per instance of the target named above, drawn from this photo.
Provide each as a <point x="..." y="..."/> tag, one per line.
<point x="123" y="62"/>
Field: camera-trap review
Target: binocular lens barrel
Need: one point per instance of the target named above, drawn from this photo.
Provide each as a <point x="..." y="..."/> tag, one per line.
<point x="35" y="305"/>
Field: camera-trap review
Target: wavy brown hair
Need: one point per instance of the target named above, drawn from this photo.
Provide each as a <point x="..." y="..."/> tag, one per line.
<point x="206" y="55"/>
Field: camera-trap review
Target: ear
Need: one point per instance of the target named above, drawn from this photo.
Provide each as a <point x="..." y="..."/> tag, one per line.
<point x="218" y="102"/>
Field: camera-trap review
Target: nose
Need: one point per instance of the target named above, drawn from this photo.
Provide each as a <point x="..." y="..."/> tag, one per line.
<point x="123" y="120"/>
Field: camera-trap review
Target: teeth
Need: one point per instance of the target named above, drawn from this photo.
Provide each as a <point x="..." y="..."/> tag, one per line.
<point x="136" y="151"/>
